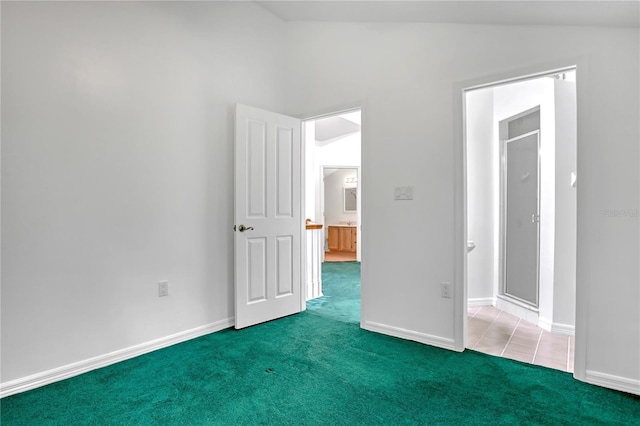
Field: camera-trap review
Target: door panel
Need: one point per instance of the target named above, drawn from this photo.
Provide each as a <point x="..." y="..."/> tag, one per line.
<point x="284" y="172"/>
<point x="333" y="237"/>
<point x="284" y="281"/>
<point x="268" y="176"/>
<point x="522" y="218"/>
<point x="256" y="155"/>
<point x="256" y="274"/>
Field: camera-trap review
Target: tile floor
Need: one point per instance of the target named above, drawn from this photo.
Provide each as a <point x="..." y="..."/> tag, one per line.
<point x="495" y="332"/>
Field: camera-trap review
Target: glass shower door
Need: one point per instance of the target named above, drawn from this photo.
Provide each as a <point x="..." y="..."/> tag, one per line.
<point x="522" y="217"/>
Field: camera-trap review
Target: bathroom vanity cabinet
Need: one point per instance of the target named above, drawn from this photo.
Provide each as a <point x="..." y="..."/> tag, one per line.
<point x="343" y="238"/>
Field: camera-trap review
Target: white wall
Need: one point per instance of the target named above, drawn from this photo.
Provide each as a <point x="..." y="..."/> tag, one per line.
<point x="117" y="169"/>
<point x="482" y="198"/>
<point x="406" y="76"/>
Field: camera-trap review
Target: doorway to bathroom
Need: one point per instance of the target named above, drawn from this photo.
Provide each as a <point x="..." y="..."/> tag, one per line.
<point x="339" y="204"/>
<point x="521" y="148"/>
<point x="333" y="207"/>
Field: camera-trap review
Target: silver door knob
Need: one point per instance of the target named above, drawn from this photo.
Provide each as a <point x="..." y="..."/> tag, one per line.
<point x="243" y="228"/>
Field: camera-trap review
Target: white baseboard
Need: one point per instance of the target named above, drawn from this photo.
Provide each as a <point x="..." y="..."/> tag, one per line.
<point x="554" y="327"/>
<point x="545" y="324"/>
<point x="480" y="301"/>
<point x="569" y="330"/>
<point x="41" y="379"/>
<point x="613" y="382"/>
<point x="519" y="309"/>
<point x="402" y="333"/>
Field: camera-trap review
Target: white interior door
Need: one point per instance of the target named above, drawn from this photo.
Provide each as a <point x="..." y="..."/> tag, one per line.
<point x="268" y="216"/>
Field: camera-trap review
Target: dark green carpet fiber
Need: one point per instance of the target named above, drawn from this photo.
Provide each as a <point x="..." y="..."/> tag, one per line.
<point x="341" y="289"/>
<point x="309" y="369"/>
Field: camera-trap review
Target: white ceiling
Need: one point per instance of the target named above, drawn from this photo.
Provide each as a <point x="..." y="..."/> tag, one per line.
<point x="332" y="128"/>
<point x="512" y="12"/>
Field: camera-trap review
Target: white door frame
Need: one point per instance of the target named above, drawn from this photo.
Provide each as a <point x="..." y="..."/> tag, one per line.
<point x="460" y="199"/>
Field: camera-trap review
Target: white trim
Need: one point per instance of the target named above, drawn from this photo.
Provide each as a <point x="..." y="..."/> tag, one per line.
<point x="403" y="333"/>
<point x="460" y="232"/>
<point x="519" y="309"/>
<point x="335" y="111"/>
<point x="304" y="296"/>
<point x="508" y="79"/>
<point x="545" y="324"/>
<point x="569" y="330"/>
<point x="613" y="382"/>
<point x="70" y="370"/>
<point x="480" y="301"/>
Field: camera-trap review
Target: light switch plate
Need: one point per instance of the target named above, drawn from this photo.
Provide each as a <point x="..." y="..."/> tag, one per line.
<point x="403" y="193"/>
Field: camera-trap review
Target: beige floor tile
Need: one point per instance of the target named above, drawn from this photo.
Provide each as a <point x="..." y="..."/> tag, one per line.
<point x="517" y="356"/>
<point x="477" y="323"/>
<point x="498" y="333"/>
<point x="531" y="341"/>
<point x="527" y="331"/>
<point x="484" y="313"/>
<point x="526" y="325"/>
<point x="474" y="336"/>
<point x="523" y="349"/>
<point x="558" y="365"/>
<point x="554" y="355"/>
<point x="488" y="349"/>
<point x="472" y="341"/>
<point x="498" y="341"/>
<point x="546" y="345"/>
<point x="503" y="328"/>
<point x="554" y="338"/>
<point x="508" y="318"/>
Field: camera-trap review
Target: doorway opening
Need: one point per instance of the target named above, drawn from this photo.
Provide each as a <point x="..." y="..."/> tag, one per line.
<point x="333" y="212"/>
<point x="339" y="204"/>
<point x="521" y="150"/>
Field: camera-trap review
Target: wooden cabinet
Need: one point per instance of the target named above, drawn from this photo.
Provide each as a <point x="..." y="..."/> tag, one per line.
<point x="334" y="238"/>
<point x="343" y="238"/>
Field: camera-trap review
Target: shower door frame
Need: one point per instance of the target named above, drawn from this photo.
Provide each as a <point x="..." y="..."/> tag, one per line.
<point x="504" y="139"/>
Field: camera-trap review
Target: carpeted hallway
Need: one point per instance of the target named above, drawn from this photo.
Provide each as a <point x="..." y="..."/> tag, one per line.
<point x="341" y="289"/>
<point x="310" y="369"/>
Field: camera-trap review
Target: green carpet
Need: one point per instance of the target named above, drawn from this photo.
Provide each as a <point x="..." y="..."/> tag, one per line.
<point x="341" y="289"/>
<point x="310" y="370"/>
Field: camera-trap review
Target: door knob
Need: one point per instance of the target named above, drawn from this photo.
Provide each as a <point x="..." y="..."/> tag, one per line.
<point x="243" y="228"/>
